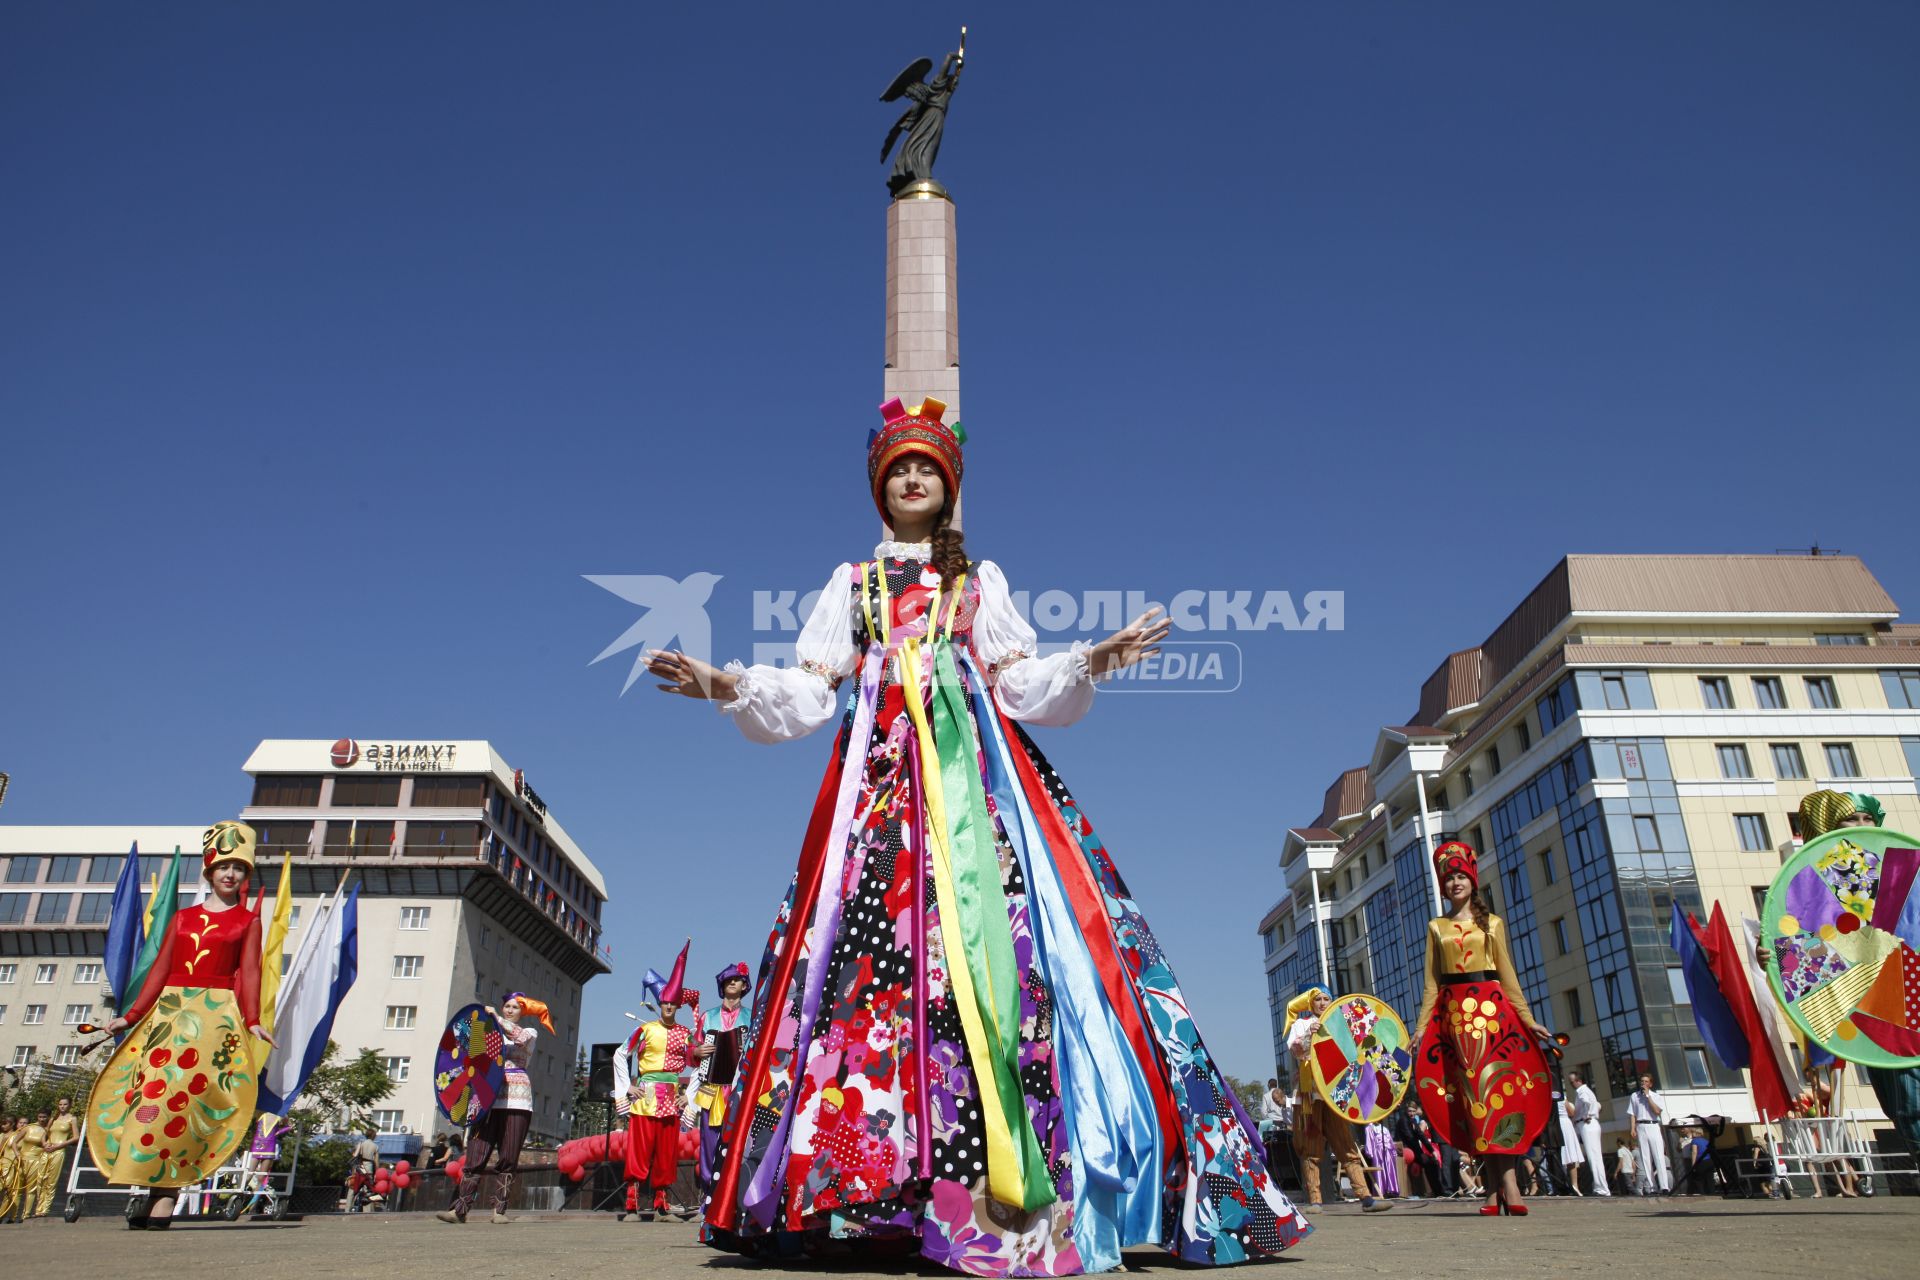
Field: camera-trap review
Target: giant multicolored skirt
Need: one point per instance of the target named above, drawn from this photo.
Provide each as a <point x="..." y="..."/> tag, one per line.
<point x="1482" y="1078"/>
<point x="969" y="1038"/>
<point x="176" y="1100"/>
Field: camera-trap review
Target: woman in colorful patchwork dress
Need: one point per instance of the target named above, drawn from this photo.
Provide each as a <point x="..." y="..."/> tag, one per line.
<point x="177" y="1097"/>
<point x="966" y="1037"/>
<point x="504" y="1127"/>
<point x="1481" y="1076"/>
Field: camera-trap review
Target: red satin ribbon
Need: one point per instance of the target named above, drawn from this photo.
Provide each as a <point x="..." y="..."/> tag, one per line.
<point x="724" y="1207"/>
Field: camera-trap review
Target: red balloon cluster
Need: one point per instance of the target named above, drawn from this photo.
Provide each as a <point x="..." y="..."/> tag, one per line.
<point x="456" y="1167"/>
<point x="386" y="1178"/>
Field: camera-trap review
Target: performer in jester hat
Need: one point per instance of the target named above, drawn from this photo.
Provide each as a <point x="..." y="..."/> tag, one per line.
<point x="1481" y="1076"/>
<point x="646" y="1082"/>
<point x="176" y="1098"/>
<point x="1897" y="1088"/>
<point x="504" y="1128"/>
<point x="966" y="1035"/>
<point x="723" y="1029"/>
<point x="1317" y="1126"/>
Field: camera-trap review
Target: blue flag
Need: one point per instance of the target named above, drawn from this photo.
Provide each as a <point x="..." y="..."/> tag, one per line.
<point x="1711" y="1012"/>
<point x="126" y="928"/>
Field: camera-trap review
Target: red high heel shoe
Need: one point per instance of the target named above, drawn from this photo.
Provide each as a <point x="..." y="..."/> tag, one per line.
<point x="1490" y="1210"/>
<point x="1517" y="1210"/>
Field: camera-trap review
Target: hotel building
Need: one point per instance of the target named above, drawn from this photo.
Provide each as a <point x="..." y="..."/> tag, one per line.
<point x="469" y="888"/>
<point x="1637" y="733"/>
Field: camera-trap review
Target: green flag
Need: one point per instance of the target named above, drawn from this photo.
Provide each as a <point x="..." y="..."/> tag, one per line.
<point x="160" y="908"/>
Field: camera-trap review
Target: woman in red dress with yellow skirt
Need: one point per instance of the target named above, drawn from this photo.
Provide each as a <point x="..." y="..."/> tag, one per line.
<point x="1482" y="1078"/>
<point x="177" y="1097"/>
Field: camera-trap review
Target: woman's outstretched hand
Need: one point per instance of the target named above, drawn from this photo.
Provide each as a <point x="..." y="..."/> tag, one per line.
<point x="1138" y="639"/>
<point x="689" y="677"/>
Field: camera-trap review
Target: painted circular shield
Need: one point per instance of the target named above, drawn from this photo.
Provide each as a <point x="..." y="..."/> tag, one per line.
<point x="1841" y="932"/>
<point x="1361" y="1059"/>
<point x="468" y="1073"/>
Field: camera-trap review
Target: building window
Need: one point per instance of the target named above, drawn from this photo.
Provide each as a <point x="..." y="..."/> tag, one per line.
<point x="1820" y="693"/>
<point x="1698" y="1075"/>
<point x="63" y="870"/>
<point x="23" y="870"/>
<point x="389" y="1121"/>
<point x="94" y="908"/>
<point x="414" y="917"/>
<point x="449" y="791"/>
<point x="1546" y="865"/>
<point x="1677" y="985"/>
<point x="1466" y="781"/>
<point x="408" y="966"/>
<point x="1493" y="761"/>
<point x="1646" y="834"/>
<point x="1903" y="689"/>
<point x="1716" y="693"/>
<point x="291" y="791"/>
<point x="104" y="870"/>
<point x="1768" y="693"/>
<point x="1576" y="1016"/>
<point x="1838" y="637"/>
<point x="1760" y="901"/>
<point x="13" y="908"/>
<point x="3" y="1015"/>
<point x="1733" y="760"/>
<point x="1526" y="735"/>
<point x="45" y="973"/>
<point x="278" y="839"/>
<point x="23" y="1055"/>
<point x="1560" y="935"/>
<point x="293" y="917"/>
<point x="1841" y="762"/>
<point x="77" y="1014"/>
<point x="36" y="1014"/>
<point x="1555" y="705"/>
<point x="398" y="1068"/>
<point x="1911" y="746"/>
<point x="67" y="1055"/>
<point x="372" y="792"/>
<point x="443" y="839"/>
<point x="356" y="838"/>
<point x="1753" y="831"/>
<point x="9" y="973"/>
<point x="286" y="962"/>
<point x="1787" y="760"/>
<point x="400" y="1016"/>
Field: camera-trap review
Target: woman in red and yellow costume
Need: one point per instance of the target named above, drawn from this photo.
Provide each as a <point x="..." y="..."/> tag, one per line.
<point x="177" y="1097"/>
<point x="1482" y="1078"/>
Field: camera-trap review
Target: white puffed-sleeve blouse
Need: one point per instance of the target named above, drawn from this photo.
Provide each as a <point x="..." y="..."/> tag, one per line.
<point x="774" y="704"/>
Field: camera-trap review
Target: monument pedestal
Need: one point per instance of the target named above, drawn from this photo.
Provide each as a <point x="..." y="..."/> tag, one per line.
<point x="923" y="311"/>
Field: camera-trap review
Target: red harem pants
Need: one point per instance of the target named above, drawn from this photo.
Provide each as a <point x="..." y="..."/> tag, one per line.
<point x="652" y="1155"/>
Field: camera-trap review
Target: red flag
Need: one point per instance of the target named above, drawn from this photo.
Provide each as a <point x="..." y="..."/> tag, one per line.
<point x="1770" y="1092"/>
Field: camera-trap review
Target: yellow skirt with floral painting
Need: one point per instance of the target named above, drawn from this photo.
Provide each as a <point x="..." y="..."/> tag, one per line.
<point x="176" y="1099"/>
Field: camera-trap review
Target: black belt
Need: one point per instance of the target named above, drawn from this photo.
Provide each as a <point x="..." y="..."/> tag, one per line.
<point x="1460" y="979"/>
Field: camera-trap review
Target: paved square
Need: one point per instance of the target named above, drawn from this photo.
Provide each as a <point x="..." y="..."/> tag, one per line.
<point x="1623" y="1240"/>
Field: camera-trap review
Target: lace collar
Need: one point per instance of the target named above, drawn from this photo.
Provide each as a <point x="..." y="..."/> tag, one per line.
<point x="903" y="551"/>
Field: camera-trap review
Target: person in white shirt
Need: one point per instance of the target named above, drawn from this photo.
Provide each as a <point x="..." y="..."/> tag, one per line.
<point x="1645" y="1107"/>
<point x="1584" y="1107"/>
<point x="1276" y="1109"/>
<point x="1623" y="1166"/>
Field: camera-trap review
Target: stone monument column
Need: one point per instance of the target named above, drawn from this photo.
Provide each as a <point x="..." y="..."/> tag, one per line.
<point x="923" y="311"/>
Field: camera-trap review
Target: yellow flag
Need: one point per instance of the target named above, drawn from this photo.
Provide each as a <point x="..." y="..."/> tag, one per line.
<point x="275" y="943"/>
<point x="153" y="890"/>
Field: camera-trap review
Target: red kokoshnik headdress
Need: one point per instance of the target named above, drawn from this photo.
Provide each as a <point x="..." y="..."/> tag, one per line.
<point x="1455" y="857"/>
<point x="916" y="430"/>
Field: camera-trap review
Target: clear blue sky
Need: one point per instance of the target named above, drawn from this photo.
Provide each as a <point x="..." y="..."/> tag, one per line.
<point x="338" y="341"/>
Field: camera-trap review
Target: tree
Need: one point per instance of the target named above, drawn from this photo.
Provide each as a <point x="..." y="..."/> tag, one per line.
<point x="1248" y="1091"/>
<point x="341" y="1096"/>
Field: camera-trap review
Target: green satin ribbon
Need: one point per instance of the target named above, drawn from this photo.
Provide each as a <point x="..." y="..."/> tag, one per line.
<point x="986" y="935"/>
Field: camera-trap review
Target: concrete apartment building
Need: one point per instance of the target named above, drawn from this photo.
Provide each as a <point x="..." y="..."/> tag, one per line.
<point x="469" y="887"/>
<point x="1639" y="731"/>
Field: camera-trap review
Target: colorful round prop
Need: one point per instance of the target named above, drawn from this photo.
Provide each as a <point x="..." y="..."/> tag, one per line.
<point x="1842" y="933"/>
<point x="1361" y="1059"/>
<point x="468" y="1074"/>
